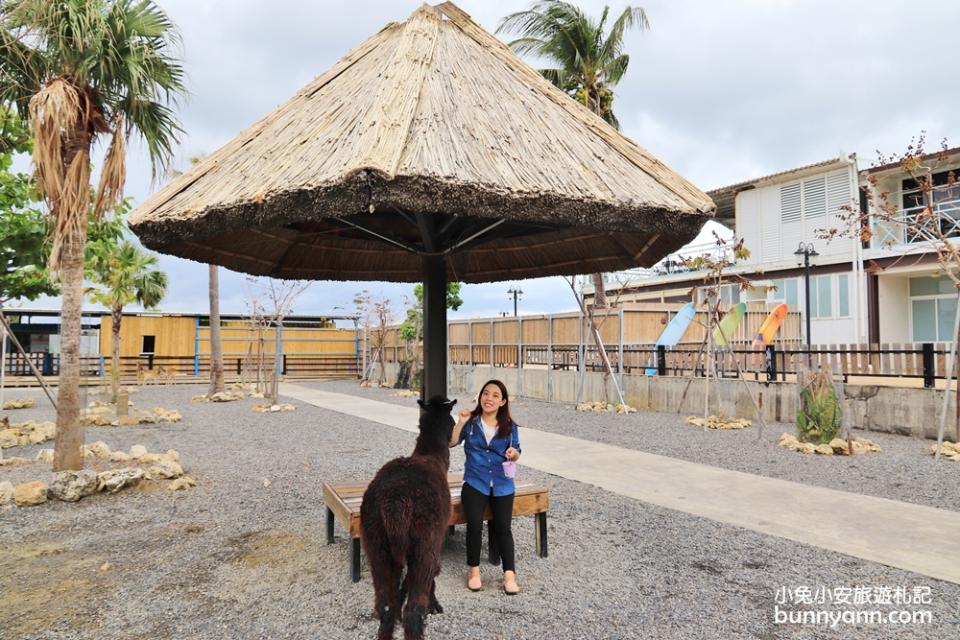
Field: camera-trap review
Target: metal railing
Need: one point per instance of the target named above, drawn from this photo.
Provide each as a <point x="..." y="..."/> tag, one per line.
<point x="911" y="224"/>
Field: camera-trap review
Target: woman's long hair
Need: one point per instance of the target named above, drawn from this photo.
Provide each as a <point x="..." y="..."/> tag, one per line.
<point x="504" y="421"/>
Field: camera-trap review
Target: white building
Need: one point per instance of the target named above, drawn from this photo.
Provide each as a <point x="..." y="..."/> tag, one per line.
<point x="880" y="287"/>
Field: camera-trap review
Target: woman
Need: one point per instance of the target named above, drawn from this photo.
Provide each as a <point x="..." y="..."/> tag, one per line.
<point x="490" y="438"/>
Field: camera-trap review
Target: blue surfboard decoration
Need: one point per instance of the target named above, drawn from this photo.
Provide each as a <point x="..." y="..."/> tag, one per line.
<point x="674" y="330"/>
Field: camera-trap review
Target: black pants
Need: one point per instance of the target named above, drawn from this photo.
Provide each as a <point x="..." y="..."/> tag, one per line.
<point x="474" y="504"/>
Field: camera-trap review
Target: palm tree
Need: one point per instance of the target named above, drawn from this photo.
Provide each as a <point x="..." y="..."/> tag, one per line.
<point x="127" y="275"/>
<point x="82" y="71"/>
<point x="213" y="290"/>
<point x="589" y="61"/>
<point x="216" y="342"/>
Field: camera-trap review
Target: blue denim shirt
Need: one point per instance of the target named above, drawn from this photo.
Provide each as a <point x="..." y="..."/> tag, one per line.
<point x="484" y="463"/>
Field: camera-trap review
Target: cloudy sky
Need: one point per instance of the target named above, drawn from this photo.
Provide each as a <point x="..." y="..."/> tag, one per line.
<point x="720" y="91"/>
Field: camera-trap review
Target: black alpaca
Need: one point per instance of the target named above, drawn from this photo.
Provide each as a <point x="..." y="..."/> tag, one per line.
<point x="405" y="512"/>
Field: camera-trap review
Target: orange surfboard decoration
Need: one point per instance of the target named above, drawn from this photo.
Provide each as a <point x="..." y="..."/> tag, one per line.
<point x="770" y="326"/>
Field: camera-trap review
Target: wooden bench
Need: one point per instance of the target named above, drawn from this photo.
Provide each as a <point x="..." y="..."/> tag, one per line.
<point x="343" y="506"/>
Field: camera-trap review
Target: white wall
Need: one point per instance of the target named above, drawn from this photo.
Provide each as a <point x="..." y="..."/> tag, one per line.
<point x="772" y="241"/>
<point x="832" y="331"/>
<point x="893" y="296"/>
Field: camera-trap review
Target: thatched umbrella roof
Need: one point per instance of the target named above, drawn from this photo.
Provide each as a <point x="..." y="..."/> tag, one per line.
<point x="436" y="119"/>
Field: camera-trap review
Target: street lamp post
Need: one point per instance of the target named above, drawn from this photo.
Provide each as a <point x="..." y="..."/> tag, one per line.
<point x="803" y="253"/>
<point x="516" y="293"/>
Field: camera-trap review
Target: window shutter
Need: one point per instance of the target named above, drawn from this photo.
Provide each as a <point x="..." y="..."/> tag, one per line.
<point x="838" y="192"/>
<point x="815" y="198"/>
<point x="790" y="203"/>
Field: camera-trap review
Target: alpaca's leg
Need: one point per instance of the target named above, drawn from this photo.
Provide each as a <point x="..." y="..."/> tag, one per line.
<point x="423" y="565"/>
<point x="435" y="606"/>
<point x="386" y="587"/>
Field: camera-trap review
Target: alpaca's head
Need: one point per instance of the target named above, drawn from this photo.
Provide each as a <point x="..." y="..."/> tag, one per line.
<point x="436" y="421"/>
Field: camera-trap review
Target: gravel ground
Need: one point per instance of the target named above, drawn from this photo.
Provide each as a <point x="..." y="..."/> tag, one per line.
<point x="233" y="558"/>
<point x="903" y="470"/>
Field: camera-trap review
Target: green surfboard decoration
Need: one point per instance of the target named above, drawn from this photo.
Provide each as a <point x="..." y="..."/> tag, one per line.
<point x="729" y="323"/>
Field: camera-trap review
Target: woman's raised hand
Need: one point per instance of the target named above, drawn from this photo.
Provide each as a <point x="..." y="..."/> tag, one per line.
<point x="464" y="415"/>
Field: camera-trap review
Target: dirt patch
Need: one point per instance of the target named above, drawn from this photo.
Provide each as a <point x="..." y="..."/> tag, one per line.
<point x="271" y="548"/>
<point x="45" y="586"/>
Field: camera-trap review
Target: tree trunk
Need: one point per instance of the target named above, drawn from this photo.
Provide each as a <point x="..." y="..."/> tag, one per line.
<point x="117" y="318"/>
<point x="216" y="344"/>
<point x="599" y="293"/>
<point x="69" y="439"/>
<point x="277" y="364"/>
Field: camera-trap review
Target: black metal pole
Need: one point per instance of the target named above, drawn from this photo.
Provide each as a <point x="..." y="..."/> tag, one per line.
<point x="434" y="328"/>
<point x="514" y="304"/>
<point x="806" y="277"/>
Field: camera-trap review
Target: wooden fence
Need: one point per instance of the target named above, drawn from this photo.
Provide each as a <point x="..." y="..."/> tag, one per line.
<point x="149" y="369"/>
<point x="558" y="339"/>
<point x="562" y="342"/>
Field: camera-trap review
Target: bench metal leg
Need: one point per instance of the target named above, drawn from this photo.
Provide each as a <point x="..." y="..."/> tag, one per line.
<point x="329" y="526"/>
<point x="355" y="559"/>
<point x="540" y="529"/>
<point x="493" y="548"/>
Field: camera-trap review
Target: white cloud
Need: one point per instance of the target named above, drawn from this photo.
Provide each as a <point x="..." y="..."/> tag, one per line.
<point x="720" y="91"/>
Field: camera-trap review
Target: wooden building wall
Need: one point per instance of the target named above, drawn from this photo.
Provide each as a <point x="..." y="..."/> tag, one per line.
<point x="178" y="336"/>
<point x="173" y="335"/>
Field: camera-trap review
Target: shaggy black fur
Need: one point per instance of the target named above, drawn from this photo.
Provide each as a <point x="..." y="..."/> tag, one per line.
<point x="405" y="512"/>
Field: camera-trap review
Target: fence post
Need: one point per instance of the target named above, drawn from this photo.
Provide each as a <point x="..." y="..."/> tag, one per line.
<point x="470" y="341"/>
<point x="771" y="362"/>
<point x="239" y="366"/>
<point x="196" y="348"/>
<point x="520" y="354"/>
<point x="283" y="370"/>
<point x="150" y="361"/>
<point x="661" y="360"/>
<point x="491" y="344"/>
<point x="929" y="370"/>
<point x="620" y="349"/>
<point x="550" y="358"/>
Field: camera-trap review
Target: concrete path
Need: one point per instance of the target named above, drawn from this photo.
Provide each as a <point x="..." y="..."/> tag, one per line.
<point x="921" y="539"/>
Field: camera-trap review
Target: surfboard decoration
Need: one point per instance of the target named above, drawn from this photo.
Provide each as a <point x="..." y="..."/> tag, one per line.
<point x="674" y="330"/>
<point x="770" y="326"/>
<point x="729" y="324"/>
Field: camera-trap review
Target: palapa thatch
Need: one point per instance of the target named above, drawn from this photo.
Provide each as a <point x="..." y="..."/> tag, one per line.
<point x="431" y="116"/>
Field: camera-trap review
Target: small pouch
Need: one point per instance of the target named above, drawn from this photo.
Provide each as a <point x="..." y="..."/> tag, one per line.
<point x="510" y="466"/>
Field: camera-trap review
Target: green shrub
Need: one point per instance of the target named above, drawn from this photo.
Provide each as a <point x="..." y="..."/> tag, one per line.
<point x="820" y="415"/>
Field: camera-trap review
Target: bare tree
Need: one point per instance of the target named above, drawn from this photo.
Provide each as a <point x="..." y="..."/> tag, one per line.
<point x="376" y="314"/>
<point x="715" y="264"/>
<point x="594" y="327"/>
<point x="927" y="225"/>
<point x="275" y="299"/>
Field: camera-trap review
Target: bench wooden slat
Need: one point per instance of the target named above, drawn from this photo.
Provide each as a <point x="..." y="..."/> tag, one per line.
<point x="345" y="499"/>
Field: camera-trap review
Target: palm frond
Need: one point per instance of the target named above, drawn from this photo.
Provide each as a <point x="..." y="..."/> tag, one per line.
<point x="611" y="119"/>
<point x="113" y="175"/>
<point x="524" y="46"/>
<point x="157" y="125"/>
<point x="54" y="112"/>
<point x="615" y="69"/>
<point x="632" y="17"/>
<point x="127" y="274"/>
<point x="560" y="78"/>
